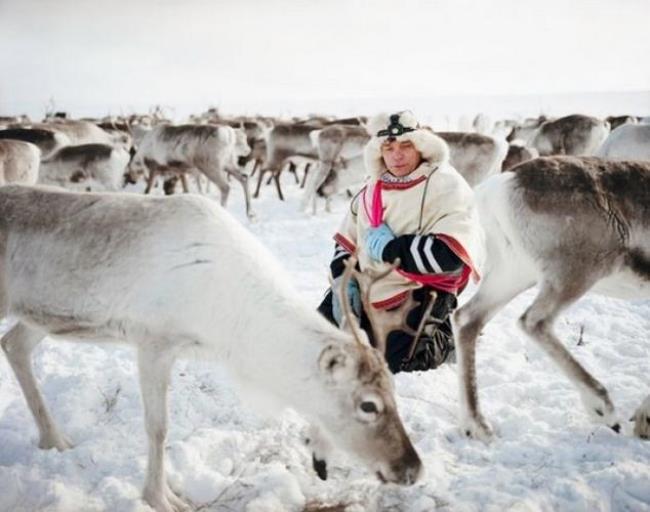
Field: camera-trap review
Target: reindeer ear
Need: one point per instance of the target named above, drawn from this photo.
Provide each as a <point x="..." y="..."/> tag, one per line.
<point x="336" y="364"/>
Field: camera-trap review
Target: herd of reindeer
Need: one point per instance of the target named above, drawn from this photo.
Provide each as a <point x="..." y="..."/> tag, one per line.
<point x="564" y="203"/>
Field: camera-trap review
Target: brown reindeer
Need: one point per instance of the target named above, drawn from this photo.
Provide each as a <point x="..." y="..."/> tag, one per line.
<point x="568" y="225"/>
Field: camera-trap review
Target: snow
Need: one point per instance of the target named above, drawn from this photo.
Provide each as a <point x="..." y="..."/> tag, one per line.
<point x="222" y="456"/>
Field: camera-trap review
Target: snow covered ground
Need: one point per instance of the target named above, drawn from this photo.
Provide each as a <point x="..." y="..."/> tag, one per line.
<point x="547" y="455"/>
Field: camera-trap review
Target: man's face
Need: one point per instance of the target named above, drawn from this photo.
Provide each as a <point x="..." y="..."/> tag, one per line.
<point x="401" y="158"/>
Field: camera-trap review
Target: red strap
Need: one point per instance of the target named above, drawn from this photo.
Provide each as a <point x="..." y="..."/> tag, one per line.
<point x="376" y="212"/>
<point x="442" y="282"/>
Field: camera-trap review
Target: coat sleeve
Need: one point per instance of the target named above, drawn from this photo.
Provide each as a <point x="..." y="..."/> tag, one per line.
<point x="422" y="254"/>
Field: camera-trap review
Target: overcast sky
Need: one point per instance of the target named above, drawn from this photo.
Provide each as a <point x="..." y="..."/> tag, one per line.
<point x="108" y="55"/>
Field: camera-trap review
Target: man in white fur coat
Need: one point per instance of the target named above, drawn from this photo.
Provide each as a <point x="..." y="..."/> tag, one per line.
<point x="418" y="208"/>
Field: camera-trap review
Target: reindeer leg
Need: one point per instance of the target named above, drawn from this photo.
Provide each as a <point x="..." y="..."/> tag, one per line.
<point x="642" y="420"/>
<point x="197" y="182"/>
<point x="538" y="321"/>
<point x="494" y="293"/>
<point x="218" y="177"/>
<point x="150" y="179"/>
<point x="276" y="178"/>
<point x="155" y="366"/>
<point x="256" y="164"/>
<point x="243" y="180"/>
<point x="295" y="173"/>
<point x="292" y="169"/>
<point x="18" y="344"/>
<point x="186" y="188"/>
<point x="304" y="176"/>
<point x="259" y="182"/>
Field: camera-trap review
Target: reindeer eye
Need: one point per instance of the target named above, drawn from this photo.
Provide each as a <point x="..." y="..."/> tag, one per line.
<point x="369" y="407"/>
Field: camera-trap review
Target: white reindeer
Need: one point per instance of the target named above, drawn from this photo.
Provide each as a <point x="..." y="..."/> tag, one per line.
<point x="213" y="150"/>
<point x="84" y="132"/>
<point x="340" y="162"/>
<point x="87" y="167"/>
<point x="627" y="142"/>
<point x="19" y="162"/>
<point x="569" y="225"/>
<point x="576" y="135"/>
<point x="176" y="275"/>
<point x="47" y="141"/>
<point x="475" y="156"/>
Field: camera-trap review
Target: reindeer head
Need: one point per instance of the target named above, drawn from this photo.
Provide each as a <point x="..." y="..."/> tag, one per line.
<point x="134" y="170"/>
<point x="361" y="415"/>
<point x="365" y="417"/>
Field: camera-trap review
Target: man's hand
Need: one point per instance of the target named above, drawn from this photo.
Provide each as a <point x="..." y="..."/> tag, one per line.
<point x="354" y="296"/>
<point x="377" y="239"/>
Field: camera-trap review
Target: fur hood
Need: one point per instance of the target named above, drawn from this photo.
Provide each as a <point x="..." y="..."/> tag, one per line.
<point x="401" y="126"/>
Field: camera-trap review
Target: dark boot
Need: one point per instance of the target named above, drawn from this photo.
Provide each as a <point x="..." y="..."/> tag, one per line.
<point x="325" y="308"/>
<point x="436" y="343"/>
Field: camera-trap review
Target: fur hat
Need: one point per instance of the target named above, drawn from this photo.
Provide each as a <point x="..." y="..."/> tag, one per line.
<point x="401" y="126"/>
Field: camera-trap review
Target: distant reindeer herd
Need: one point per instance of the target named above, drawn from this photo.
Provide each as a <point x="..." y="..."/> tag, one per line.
<point x="565" y="205"/>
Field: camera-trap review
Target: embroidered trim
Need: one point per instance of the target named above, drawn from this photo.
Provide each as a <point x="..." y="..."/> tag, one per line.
<point x="345" y="243"/>
<point x="402" y="185"/>
<point x="460" y="251"/>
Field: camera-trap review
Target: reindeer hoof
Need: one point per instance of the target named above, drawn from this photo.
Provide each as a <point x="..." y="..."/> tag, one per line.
<point x="58" y="441"/>
<point x="478" y="429"/>
<point x="165" y="501"/>
<point x="320" y="466"/>
<point x="642" y="420"/>
<point x="602" y="411"/>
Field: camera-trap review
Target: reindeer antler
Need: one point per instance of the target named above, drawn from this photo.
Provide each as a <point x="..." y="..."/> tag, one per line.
<point x="350" y="319"/>
<point x="386" y="322"/>
<point x="389" y="320"/>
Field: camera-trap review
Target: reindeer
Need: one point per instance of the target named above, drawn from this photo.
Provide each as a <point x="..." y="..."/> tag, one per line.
<point x="627" y="142"/>
<point x="89" y="167"/>
<point x="13" y="121"/>
<point x="473" y="155"/>
<point x="576" y="135"/>
<point x="616" y="121"/>
<point x="524" y="131"/>
<point x="19" y="162"/>
<point x="517" y="154"/>
<point x="84" y="132"/>
<point x="213" y="150"/>
<point x="340" y="150"/>
<point x="337" y="146"/>
<point x="283" y="142"/>
<point x="567" y="225"/>
<point x="48" y="141"/>
<point x="174" y="277"/>
<point x="256" y="133"/>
